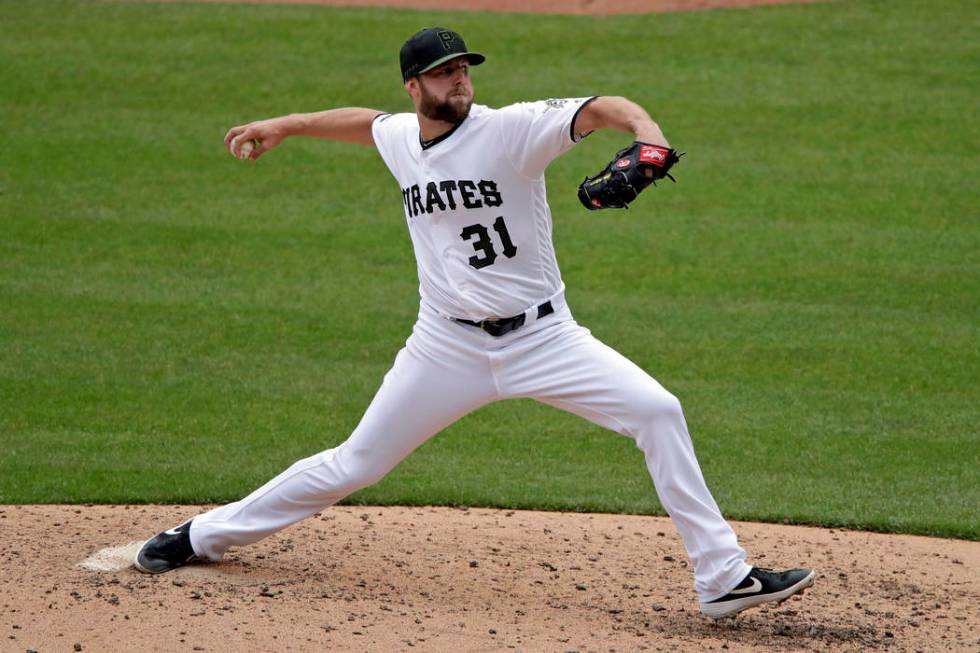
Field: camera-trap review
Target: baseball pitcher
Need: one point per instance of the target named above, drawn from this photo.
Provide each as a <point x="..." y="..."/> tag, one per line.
<point x="493" y="322"/>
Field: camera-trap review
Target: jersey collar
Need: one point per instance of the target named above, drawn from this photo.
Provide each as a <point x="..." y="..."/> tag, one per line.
<point x="438" y="139"/>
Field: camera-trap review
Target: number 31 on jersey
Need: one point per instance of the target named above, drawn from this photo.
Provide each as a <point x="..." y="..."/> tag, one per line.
<point x="483" y="244"/>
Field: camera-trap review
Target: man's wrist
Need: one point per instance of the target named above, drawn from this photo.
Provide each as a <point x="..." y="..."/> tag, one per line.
<point x="651" y="138"/>
<point x="292" y="125"/>
<point x="649" y="132"/>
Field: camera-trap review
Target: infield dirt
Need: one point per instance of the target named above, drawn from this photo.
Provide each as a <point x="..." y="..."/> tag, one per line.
<point x="468" y="580"/>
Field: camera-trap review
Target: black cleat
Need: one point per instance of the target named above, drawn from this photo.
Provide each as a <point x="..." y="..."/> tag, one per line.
<point x="760" y="586"/>
<point x="166" y="551"/>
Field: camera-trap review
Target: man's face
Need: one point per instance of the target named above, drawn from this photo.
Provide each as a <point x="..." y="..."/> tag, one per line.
<point x="446" y="92"/>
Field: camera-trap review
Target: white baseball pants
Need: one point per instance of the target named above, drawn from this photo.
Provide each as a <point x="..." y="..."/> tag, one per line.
<point x="447" y="370"/>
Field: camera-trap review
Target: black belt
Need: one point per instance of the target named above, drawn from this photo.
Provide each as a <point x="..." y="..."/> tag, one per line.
<point x="506" y="324"/>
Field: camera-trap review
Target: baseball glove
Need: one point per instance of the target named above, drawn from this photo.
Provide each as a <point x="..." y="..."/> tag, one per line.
<point x="631" y="170"/>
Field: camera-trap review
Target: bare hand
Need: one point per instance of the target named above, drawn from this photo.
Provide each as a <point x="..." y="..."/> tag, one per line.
<point x="266" y="135"/>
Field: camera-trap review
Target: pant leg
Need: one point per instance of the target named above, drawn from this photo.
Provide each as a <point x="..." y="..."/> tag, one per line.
<point x="435" y="380"/>
<point x="570" y="369"/>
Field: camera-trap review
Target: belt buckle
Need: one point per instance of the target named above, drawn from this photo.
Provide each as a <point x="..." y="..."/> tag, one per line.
<point x="502" y="326"/>
<point x="494" y="327"/>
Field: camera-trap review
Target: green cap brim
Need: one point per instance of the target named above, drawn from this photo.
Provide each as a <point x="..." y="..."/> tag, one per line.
<point x="475" y="60"/>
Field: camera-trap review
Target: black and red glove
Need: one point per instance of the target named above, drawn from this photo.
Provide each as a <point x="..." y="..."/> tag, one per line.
<point x="631" y="170"/>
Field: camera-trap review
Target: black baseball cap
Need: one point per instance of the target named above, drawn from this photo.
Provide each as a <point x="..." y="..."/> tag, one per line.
<point x="431" y="47"/>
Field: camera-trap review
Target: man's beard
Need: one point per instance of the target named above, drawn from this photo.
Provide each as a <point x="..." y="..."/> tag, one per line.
<point x="446" y="111"/>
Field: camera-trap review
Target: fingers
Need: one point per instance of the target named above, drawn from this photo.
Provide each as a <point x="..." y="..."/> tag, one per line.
<point x="252" y="140"/>
<point x="257" y="146"/>
<point x="233" y="132"/>
<point x="237" y="137"/>
<point x="257" y="150"/>
<point x="242" y="145"/>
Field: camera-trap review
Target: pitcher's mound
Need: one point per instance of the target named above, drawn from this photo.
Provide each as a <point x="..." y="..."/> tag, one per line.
<point x="443" y="579"/>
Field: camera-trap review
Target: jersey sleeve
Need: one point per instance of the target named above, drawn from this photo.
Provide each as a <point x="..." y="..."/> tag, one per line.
<point x="536" y="133"/>
<point x="388" y="129"/>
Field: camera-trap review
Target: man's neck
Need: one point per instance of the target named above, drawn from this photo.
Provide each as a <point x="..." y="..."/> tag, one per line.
<point x="430" y="129"/>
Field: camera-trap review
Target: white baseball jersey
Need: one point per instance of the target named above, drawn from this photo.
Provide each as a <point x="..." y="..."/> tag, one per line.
<point x="476" y="204"/>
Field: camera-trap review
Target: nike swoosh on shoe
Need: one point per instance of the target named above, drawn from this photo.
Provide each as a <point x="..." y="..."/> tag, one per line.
<point x="751" y="589"/>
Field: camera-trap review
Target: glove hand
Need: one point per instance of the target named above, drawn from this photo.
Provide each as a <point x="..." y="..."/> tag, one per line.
<point x="624" y="178"/>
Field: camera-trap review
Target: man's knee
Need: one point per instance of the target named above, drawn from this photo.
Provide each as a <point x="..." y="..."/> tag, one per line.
<point x="660" y="407"/>
<point x="352" y="469"/>
<point x="658" y="416"/>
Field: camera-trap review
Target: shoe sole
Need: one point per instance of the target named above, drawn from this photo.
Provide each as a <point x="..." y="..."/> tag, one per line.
<point x="730" y="608"/>
<point x="139" y="567"/>
<point x="167" y="567"/>
<point x="148" y="570"/>
<point x="143" y="569"/>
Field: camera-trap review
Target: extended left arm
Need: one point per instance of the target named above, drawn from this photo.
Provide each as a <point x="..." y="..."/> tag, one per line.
<point x="613" y="112"/>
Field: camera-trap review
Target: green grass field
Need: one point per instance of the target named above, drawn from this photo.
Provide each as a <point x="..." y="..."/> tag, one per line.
<point x="177" y="326"/>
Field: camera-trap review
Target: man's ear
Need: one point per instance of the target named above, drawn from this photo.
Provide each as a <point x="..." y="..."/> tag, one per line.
<point x="412" y="85"/>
